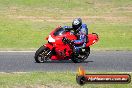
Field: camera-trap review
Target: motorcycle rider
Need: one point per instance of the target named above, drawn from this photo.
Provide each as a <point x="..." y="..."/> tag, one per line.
<point x="81" y="31"/>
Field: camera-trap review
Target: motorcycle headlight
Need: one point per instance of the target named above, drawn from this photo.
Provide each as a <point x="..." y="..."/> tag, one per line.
<point x="50" y="39"/>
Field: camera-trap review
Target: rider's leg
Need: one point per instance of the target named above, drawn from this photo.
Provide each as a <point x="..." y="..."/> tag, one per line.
<point x="77" y="49"/>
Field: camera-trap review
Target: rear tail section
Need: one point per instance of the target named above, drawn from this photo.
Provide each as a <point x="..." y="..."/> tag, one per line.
<point x="92" y="38"/>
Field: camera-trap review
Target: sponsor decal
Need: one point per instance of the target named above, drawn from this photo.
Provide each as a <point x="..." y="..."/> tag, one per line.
<point x="83" y="78"/>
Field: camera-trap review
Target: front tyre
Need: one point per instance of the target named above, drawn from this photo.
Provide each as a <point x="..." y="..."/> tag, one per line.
<point x="42" y="54"/>
<point x="83" y="55"/>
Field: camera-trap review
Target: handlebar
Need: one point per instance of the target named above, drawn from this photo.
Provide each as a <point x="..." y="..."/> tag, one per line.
<point x="68" y="41"/>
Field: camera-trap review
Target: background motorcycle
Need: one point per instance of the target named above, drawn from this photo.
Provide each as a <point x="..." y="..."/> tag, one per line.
<point x="60" y="47"/>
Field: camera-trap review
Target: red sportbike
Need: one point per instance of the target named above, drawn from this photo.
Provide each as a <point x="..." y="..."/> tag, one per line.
<point x="60" y="47"/>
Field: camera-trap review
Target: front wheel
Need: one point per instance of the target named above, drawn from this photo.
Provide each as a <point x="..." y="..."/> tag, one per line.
<point x="83" y="55"/>
<point x="42" y="54"/>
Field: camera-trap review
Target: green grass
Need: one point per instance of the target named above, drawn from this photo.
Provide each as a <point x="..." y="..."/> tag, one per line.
<point x="25" y="23"/>
<point x="23" y="34"/>
<point x="48" y="79"/>
<point x="115" y="37"/>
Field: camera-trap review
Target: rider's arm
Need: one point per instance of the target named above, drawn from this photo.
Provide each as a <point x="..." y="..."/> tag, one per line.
<point x="82" y="36"/>
<point x="81" y="39"/>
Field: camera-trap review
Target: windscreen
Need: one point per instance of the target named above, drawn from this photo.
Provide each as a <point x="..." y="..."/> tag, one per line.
<point x="59" y="31"/>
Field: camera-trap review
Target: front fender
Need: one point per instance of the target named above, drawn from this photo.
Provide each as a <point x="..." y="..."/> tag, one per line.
<point x="50" y="46"/>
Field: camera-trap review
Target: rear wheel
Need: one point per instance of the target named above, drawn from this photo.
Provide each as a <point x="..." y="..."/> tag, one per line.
<point x="83" y="55"/>
<point x="42" y="54"/>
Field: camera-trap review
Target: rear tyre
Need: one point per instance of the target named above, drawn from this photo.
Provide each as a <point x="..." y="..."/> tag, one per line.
<point x="81" y="56"/>
<point x="42" y="54"/>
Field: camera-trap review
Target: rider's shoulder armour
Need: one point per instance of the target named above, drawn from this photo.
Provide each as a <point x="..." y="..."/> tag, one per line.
<point x="84" y="29"/>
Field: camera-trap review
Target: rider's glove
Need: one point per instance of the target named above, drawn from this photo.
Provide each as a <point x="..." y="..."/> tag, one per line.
<point x="64" y="40"/>
<point x="72" y="42"/>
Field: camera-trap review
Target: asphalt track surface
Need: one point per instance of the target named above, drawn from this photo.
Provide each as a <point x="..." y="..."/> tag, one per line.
<point x="109" y="61"/>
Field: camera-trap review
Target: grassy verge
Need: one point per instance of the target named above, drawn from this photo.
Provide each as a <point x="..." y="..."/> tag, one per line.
<point x="25" y="24"/>
<point x="48" y="79"/>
